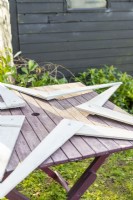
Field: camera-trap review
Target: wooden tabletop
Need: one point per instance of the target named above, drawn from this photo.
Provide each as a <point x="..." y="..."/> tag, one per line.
<point x="43" y="116"/>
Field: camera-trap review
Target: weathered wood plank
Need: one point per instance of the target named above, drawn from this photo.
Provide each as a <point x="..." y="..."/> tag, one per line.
<point x="82" y="46"/>
<point x="32" y="18"/>
<point x="75" y="36"/>
<point x="122" y="6"/>
<point x="46" y="119"/>
<point x="75" y="27"/>
<point x="40" y="7"/>
<point x="28" y="133"/>
<point x="95" y="62"/>
<point x="40" y="1"/>
<point x="90" y="17"/>
<point x="81" y="54"/>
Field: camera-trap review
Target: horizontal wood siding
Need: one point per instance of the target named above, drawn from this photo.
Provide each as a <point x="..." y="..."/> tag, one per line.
<point x="77" y="39"/>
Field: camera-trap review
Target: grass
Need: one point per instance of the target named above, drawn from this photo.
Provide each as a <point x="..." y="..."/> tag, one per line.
<point x="114" y="181"/>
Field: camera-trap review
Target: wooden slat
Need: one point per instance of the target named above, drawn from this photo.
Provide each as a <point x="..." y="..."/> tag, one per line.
<point x="39" y="1"/>
<point x="48" y="124"/>
<point x="74" y="27"/>
<point x="95" y="17"/>
<point x="60" y="46"/>
<point x="37" y="124"/>
<point x="84" y="54"/>
<point x="32" y="18"/>
<point x="27" y="131"/>
<point x="122" y="6"/>
<point x="36" y="7"/>
<point x="13" y="162"/>
<point x="82" y="63"/>
<point x="75" y="36"/>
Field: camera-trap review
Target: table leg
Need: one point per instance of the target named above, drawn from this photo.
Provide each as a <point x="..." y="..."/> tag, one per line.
<point x="87" y="179"/>
<point x="57" y="177"/>
<point x="84" y="182"/>
<point x="15" y="195"/>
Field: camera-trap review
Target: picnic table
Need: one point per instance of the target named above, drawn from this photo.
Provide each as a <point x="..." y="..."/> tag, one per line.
<point x="42" y="117"/>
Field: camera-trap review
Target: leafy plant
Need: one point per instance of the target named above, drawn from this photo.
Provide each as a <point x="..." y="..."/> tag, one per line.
<point x="7" y="68"/>
<point x="30" y="74"/>
<point x="123" y="97"/>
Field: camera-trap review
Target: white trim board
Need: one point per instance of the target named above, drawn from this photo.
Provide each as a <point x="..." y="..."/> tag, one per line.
<point x="11" y="120"/>
<point x="63" y="131"/>
<point x="11" y="100"/>
<point x="102" y="98"/>
<point x="105" y="112"/>
<point x="105" y="132"/>
<point x="57" y="93"/>
<point x="9" y="133"/>
<point x="94" y="107"/>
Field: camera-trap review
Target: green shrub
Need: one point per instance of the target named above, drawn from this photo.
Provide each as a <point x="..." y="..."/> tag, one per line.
<point x="28" y="73"/>
<point x="7" y="69"/>
<point x="123" y="97"/>
<point x="31" y="74"/>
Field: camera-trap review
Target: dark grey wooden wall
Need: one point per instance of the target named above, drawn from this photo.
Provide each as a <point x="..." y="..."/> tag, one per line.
<point x="77" y="40"/>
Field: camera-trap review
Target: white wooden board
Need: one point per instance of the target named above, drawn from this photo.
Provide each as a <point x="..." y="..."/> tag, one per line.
<point x="11" y="120"/>
<point x="58" y="93"/>
<point x="63" y="131"/>
<point x="105" y="112"/>
<point x="80" y="89"/>
<point x="11" y="100"/>
<point x="105" y="132"/>
<point x="8" y="138"/>
<point x="102" y="98"/>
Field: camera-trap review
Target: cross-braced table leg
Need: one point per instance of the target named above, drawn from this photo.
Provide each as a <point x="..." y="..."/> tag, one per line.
<point x="87" y="179"/>
<point x="15" y="195"/>
<point x="57" y="177"/>
<point x="84" y="182"/>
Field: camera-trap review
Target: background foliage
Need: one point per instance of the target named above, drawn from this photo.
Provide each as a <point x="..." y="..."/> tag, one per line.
<point x="28" y="73"/>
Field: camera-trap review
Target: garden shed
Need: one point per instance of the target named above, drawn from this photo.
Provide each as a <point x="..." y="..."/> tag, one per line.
<point x="74" y="33"/>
